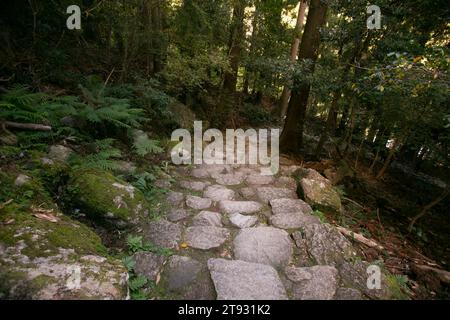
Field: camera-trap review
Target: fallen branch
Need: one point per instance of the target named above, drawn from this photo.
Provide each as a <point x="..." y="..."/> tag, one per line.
<point x="4" y="204"/>
<point x="27" y="126"/>
<point x="444" y="276"/>
<point x="360" y="238"/>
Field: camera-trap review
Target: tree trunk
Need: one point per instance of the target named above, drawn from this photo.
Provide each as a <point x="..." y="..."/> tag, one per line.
<point x="428" y="207"/>
<point x="291" y="139"/>
<point x="284" y="100"/>
<point x="252" y="47"/>
<point x="236" y="41"/>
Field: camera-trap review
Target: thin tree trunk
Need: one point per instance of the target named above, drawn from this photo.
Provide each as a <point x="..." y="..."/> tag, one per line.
<point x="291" y="139"/>
<point x="284" y="100"/>
<point x="236" y="38"/>
<point x="331" y="122"/>
<point x="428" y="207"/>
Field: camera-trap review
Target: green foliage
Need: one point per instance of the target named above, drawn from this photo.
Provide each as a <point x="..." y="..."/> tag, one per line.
<point x="136" y="244"/>
<point x="102" y="157"/>
<point x="320" y="215"/>
<point x="143" y="146"/>
<point x="137" y="283"/>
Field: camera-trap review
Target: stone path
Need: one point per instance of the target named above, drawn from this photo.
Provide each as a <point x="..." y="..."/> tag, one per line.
<point x="239" y="234"/>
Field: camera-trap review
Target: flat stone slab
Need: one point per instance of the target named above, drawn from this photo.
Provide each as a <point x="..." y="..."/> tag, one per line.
<point x="293" y="220"/>
<point x="243" y="207"/>
<point x="287" y="182"/>
<point x="348" y="294"/>
<point x="148" y="264"/>
<point x="258" y="179"/>
<point x="193" y="185"/>
<point x="198" y="203"/>
<point x="218" y="192"/>
<point x="240" y="280"/>
<point x="206" y="237"/>
<point x="207" y="218"/>
<point x="163" y="233"/>
<point x="176" y="215"/>
<point x="266" y="245"/>
<point x="175" y="198"/>
<point x="326" y="244"/>
<point x="241" y="221"/>
<point x="200" y="173"/>
<point x="186" y="277"/>
<point x="313" y="283"/>
<point x="286" y="205"/>
<point x="229" y="179"/>
<point x="270" y="193"/>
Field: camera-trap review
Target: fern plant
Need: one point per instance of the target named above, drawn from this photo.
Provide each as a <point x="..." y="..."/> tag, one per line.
<point x="102" y="158"/>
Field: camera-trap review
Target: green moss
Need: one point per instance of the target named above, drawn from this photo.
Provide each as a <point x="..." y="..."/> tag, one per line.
<point x="94" y="192"/>
<point x="66" y="233"/>
<point x="397" y="287"/>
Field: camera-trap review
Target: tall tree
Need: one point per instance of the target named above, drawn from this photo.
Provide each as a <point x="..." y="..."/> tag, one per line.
<point x="236" y="43"/>
<point x="291" y="139"/>
<point x="284" y="100"/>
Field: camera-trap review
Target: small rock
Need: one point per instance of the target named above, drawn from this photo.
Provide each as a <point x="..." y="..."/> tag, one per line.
<point x="239" y="280"/>
<point x="321" y="195"/>
<point x="175" y="198"/>
<point x="287" y="182"/>
<point x="286" y="205"/>
<point x="248" y="192"/>
<point x="293" y="220"/>
<point x="163" y="183"/>
<point x="163" y="233"/>
<point x="126" y="167"/>
<point x="242" y="221"/>
<point x="148" y="264"/>
<point x="244" y="207"/>
<point x="270" y="193"/>
<point x="205" y="237"/>
<point x="200" y="173"/>
<point x="176" y="215"/>
<point x="313" y="283"/>
<point x="181" y="271"/>
<point x="229" y="179"/>
<point x="207" y="218"/>
<point x="218" y="193"/>
<point x="198" y="203"/>
<point x="193" y="185"/>
<point x="21" y="180"/>
<point x="258" y="179"/>
<point x="59" y="153"/>
<point x="265" y="245"/>
<point x="47" y="161"/>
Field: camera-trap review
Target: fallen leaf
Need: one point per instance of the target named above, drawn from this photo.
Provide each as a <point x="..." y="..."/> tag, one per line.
<point x="46" y="216"/>
<point x="184" y="245"/>
<point x="8" y="222"/>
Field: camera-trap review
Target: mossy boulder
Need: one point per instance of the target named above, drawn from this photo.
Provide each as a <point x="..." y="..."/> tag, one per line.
<point x="103" y="197"/>
<point x="47" y="255"/>
<point x="317" y="191"/>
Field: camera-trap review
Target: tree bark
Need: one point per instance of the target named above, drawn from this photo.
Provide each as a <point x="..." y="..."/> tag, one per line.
<point x="291" y="139"/>
<point x="236" y="41"/>
<point x="284" y="100"/>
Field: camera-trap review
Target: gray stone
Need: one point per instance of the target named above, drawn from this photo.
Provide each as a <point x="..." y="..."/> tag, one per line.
<point x="59" y="153"/>
<point x="175" y="198"/>
<point x="248" y="192"/>
<point x="244" y="207"/>
<point x="239" y="280"/>
<point x="354" y="275"/>
<point x="288" y="170"/>
<point x="200" y="173"/>
<point x="270" y="193"/>
<point x="176" y="215"/>
<point x="265" y="245"/>
<point x="127" y="167"/>
<point x="313" y="283"/>
<point x="188" y="278"/>
<point x="198" y="203"/>
<point x="206" y="237"/>
<point x="320" y="195"/>
<point x="148" y="264"/>
<point x="293" y="220"/>
<point x="327" y="245"/>
<point x="193" y="185"/>
<point x="21" y="180"/>
<point x="207" y="218"/>
<point x="286" y="205"/>
<point x="163" y="233"/>
<point x="348" y="294"/>
<point x="46" y="161"/>
<point x="242" y="221"/>
<point x="258" y="179"/>
<point x="218" y="193"/>
<point x="287" y="182"/>
<point x="229" y="179"/>
<point x="163" y="183"/>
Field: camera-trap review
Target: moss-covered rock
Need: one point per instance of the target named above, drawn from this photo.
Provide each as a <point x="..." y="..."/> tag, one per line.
<point x="46" y="255"/>
<point x="317" y="191"/>
<point x="104" y="197"/>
